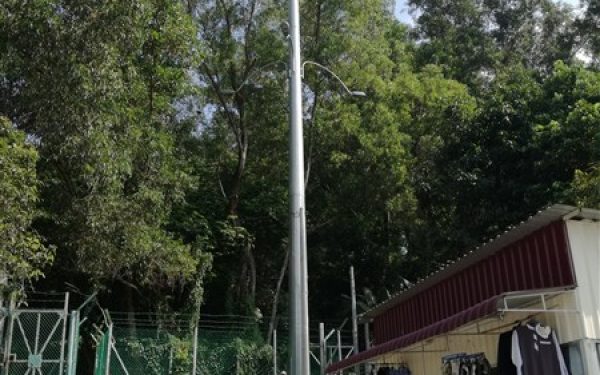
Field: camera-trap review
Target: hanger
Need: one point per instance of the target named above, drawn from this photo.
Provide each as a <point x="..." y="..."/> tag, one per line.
<point x="527" y="319"/>
<point x="534" y="322"/>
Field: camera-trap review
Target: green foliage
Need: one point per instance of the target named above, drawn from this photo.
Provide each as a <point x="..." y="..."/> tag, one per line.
<point x="364" y="152"/>
<point x="457" y="40"/>
<point x="520" y="152"/>
<point x="154" y="357"/>
<point x="242" y="80"/>
<point x="587" y="26"/>
<point x="161" y="133"/>
<point x="252" y="358"/>
<point x="22" y="252"/>
<point x="162" y="352"/>
<point x="95" y="85"/>
<point x="472" y="39"/>
<point x="586" y="187"/>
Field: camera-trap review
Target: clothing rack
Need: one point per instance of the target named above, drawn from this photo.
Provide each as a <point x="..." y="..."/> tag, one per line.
<point x="391" y="368"/>
<point x="498" y="330"/>
<point x="463" y="363"/>
<point x="463" y="356"/>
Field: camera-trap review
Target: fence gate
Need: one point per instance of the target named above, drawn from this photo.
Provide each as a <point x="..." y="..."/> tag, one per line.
<point x="35" y="341"/>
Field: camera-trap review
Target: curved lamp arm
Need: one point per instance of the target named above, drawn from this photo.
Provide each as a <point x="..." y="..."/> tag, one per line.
<point x="348" y="91"/>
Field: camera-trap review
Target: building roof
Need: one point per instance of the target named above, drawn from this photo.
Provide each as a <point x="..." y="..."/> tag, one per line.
<point x="514" y="233"/>
<point x="482" y="309"/>
<point x="490" y="308"/>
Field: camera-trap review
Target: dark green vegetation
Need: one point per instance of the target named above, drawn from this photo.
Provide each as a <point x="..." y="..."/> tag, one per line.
<point x="143" y="150"/>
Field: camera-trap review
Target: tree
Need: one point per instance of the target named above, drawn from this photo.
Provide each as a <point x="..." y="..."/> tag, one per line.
<point x="473" y="39"/>
<point x="242" y="76"/>
<point x="95" y="85"/>
<point x="361" y="193"/>
<point x="532" y="33"/>
<point x="350" y="144"/>
<point x="529" y="138"/>
<point x="587" y="27"/>
<point x="476" y="182"/>
<point x="585" y="189"/>
<point x="568" y="133"/>
<point x="22" y="251"/>
<point x="455" y="37"/>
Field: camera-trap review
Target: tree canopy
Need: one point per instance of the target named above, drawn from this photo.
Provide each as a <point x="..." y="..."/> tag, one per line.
<point x="144" y="151"/>
<point x="23" y="253"/>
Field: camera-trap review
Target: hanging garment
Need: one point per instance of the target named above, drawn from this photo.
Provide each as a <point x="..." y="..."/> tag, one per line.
<point x="452" y="367"/>
<point x="535" y="351"/>
<point x="466" y="364"/>
<point x="451" y="364"/>
<point x="447" y="369"/>
<point x="505" y="364"/>
<point x="481" y="366"/>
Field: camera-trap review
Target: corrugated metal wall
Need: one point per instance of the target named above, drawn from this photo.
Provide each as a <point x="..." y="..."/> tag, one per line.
<point x="540" y="260"/>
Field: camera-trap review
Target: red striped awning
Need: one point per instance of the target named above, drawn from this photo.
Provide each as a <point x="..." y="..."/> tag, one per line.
<point x="482" y="309"/>
<point x="538" y="261"/>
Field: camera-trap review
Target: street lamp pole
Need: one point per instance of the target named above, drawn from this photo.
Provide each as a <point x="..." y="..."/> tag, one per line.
<point x="298" y="283"/>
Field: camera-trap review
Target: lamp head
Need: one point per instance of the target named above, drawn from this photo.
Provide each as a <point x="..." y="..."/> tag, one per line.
<point x="360" y="94"/>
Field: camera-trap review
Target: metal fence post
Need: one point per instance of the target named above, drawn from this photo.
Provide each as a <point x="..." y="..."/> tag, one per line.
<point x="367" y="345"/>
<point x="195" y="349"/>
<point x="64" y="334"/>
<point x="322" y="347"/>
<point x="339" y="347"/>
<point x="9" y="334"/>
<point x="109" y="349"/>
<point x="73" y="342"/>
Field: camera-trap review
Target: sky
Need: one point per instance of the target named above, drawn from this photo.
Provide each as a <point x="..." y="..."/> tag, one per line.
<point x="402" y="10"/>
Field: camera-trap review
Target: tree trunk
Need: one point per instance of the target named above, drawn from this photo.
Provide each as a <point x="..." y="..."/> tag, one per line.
<point x="130" y="310"/>
<point x="251" y="274"/>
<point x="236" y="186"/>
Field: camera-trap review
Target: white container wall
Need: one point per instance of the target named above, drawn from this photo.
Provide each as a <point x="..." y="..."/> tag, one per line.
<point x="584" y="239"/>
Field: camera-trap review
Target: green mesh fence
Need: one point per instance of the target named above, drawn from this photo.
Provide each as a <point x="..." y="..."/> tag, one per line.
<point x="143" y="346"/>
<point x="151" y="351"/>
<point x="33" y="334"/>
<point x="230" y="353"/>
<point x="47" y="341"/>
<point x="101" y="355"/>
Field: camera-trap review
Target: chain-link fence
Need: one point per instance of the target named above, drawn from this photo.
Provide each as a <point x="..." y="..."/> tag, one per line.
<point x="36" y="342"/>
<point x="44" y="337"/>
<point x="215" y="345"/>
<point x="33" y="336"/>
